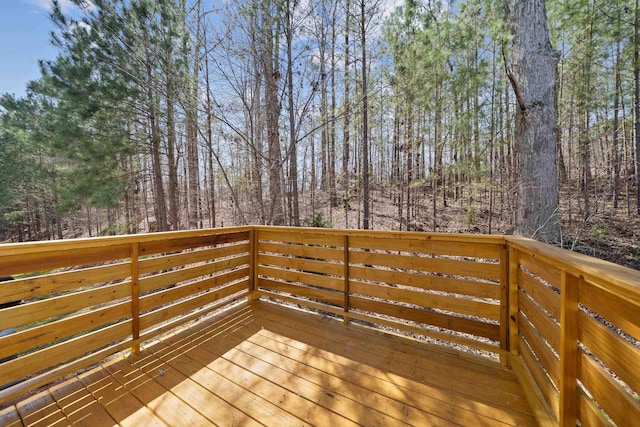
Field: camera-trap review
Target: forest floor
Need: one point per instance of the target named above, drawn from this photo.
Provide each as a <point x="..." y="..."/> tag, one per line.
<point x="609" y="234"/>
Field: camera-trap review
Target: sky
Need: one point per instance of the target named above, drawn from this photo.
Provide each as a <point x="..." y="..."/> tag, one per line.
<point x="25" y="30"/>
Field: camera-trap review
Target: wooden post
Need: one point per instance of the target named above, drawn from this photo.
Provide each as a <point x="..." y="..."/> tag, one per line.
<point x="253" y="265"/>
<point x="570" y="288"/>
<point x="135" y="299"/>
<point x="346" y="278"/>
<point x="504" y="302"/>
<point x="513" y="300"/>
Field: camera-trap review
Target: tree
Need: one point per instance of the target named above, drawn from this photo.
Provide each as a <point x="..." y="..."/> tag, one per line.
<point x="532" y="76"/>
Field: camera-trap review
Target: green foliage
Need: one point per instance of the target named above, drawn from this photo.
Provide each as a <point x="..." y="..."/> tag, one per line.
<point x="319" y="221"/>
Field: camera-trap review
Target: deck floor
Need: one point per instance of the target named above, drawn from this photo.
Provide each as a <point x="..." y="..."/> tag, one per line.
<point x="264" y="364"/>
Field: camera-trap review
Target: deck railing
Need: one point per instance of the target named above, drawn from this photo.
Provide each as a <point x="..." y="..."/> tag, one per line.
<point x="566" y="323"/>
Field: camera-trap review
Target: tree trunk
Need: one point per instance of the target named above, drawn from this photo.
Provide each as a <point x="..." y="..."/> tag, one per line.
<point x="347" y="117"/>
<point x="533" y="73"/>
<point x="193" y="163"/>
<point x="272" y="115"/>
<point x="616" y="123"/>
<point x="365" y="121"/>
<point x="293" y="153"/>
<point x="636" y="79"/>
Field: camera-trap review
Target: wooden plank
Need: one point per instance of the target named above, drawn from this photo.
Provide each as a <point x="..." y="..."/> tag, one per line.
<point x="540" y="293"/>
<point x="55" y="373"/>
<point x="162" y="280"/>
<point x="447" y="237"/>
<point x="319" y="306"/>
<point x="514" y="308"/>
<point x="180" y="308"/>
<point x="165" y="262"/>
<point x="176" y="242"/>
<point x="454" y="323"/>
<point x="9" y="417"/>
<point x="504" y="305"/>
<point x="449" y="337"/>
<point x="58" y="306"/>
<point x="549" y="361"/>
<point x="121" y="405"/>
<point x="327" y="400"/>
<point x="620" y="406"/>
<point x="135" y="298"/>
<point x="622" y="281"/>
<point x="167" y="406"/>
<point x="541" y="380"/>
<point x="156" y="299"/>
<point x="262" y="410"/>
<point x="33" y="287"/>
<point x="400" y="348"/>
<point x="41" y="410"/>
<point x="291" y="402"/>
<point x="306" y="265"/>
<point x="79" y="405"/>
<point x="300" y="277"/>
<point x="215" y="409"/>
<point x="300" y="236"/>
<point x="303" y="251"/>
<point x="426" y="281"/>
<point x="372" y="404"/>
<point x="442" y="302"/>
<point x="428" y="246"/>
<point x="589" y="414"/>
<point x="346" y="277"/>
<point x="374" y="387"/>
<point x="547" y="272"/>
<point x="614" y="351"/>
<point x="547" y="328"/>
<point x="539" y="405"/>
<point x="622" y="314"/>
<point x="568" y="384"/>
<point x="51" y="332"/>
<point x="40" y="261"/>
<point x="327" y="296"/>
<point x="29" y="364"/>
<point x="198" y="313"/>
<point x="377" y="350"/>
<point x="253" y="264"/>
<point x="434" y="265"/>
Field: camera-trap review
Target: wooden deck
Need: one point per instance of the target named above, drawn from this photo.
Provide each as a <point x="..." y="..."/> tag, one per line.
<point x="265" y="364"/>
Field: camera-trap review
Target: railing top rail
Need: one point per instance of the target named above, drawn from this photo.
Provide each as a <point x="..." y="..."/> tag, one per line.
<point x="93" y="242"/>
<point x="419" y="235"/>
<point x="623" y="281"/>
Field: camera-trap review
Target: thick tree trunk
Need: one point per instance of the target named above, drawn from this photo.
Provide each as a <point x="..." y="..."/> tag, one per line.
<point x="533" y="74"/>
<point x="636" y="106"/>
<point x="272" y="115"/>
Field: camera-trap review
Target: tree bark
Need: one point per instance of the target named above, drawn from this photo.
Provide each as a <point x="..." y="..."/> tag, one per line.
<point x="272" y="114"/>
<point x="636" y="106"/>
<point x="293" y="149"/>
<point x="365" y="121"/>
<point x="533" y="75"/>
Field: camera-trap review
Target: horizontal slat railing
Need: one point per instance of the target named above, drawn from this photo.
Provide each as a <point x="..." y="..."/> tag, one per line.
<point x="579" y="333"/>
<point x="447" y="287"/>
<point x="83" y="300"/>
<point x="568" y="324"/>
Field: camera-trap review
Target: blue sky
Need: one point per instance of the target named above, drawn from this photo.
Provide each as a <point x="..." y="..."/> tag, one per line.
<point x="24" y="39"/>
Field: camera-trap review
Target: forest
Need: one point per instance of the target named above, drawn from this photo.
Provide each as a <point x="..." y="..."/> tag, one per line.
<point x="163" y="115"/>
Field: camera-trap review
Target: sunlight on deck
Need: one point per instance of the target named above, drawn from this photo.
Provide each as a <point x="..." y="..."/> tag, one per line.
<point x="264" y="364"/>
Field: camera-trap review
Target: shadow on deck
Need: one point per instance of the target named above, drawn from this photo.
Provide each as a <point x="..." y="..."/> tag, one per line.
<point x="261" y="363"/>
